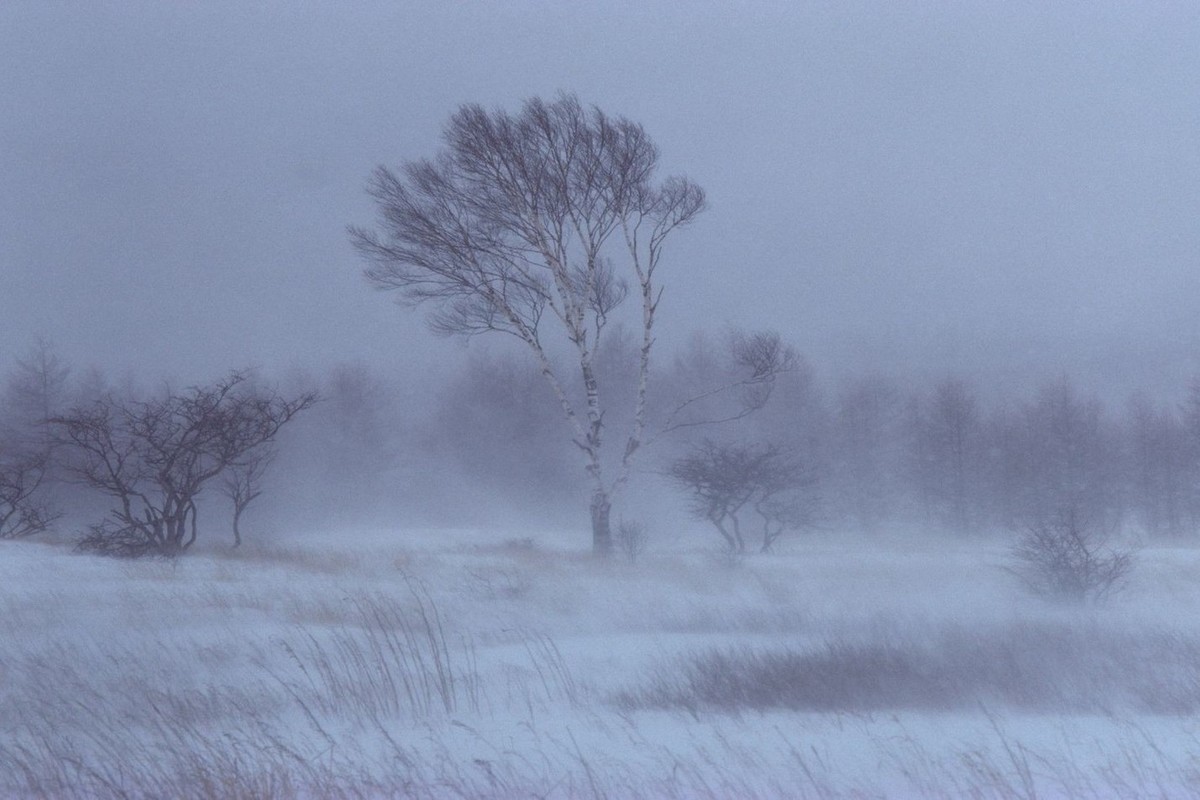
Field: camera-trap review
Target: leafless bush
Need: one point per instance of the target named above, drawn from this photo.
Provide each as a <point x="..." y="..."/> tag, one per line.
<point x="22" y="511"/>
<point x="726" y="482"/>
<point x="1065" y="558"/>
<point x="154" y="457"/>
<point x="632" y="539"/>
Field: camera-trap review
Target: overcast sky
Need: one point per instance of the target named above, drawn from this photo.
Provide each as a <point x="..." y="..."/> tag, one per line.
<point x="987" y="187"/>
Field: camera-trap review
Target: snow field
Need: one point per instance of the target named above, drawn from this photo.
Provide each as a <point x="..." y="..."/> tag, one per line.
<point x="493" y="664"/>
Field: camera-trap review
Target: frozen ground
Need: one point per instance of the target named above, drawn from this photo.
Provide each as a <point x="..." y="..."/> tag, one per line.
<point x="448" y="663"/>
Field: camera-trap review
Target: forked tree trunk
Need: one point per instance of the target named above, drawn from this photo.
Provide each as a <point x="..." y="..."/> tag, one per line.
<point x="602" y="541"/>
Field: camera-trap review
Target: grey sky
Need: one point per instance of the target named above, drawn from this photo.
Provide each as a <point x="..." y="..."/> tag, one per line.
<point x="911" y="186"/>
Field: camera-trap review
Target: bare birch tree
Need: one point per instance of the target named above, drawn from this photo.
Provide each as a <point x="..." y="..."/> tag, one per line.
<point x="542" y="220"/>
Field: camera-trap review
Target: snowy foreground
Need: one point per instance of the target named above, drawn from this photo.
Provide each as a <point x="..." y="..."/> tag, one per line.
<point x="509" y="664"/>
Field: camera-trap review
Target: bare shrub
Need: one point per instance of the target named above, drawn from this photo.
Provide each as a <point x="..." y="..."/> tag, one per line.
<point x="1065" y="558"/>
<point x="23" y="511"/>
<point x="726" y="482"/>
<point x="154" y="457"/>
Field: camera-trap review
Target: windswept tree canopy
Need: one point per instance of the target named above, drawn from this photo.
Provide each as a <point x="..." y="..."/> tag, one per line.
<point x="523" y="215"/>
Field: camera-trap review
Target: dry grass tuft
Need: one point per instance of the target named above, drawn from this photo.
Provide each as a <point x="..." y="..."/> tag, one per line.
<point x="1049" y="667"/>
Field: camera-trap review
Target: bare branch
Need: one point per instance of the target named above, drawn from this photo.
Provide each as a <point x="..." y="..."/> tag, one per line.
<point x="22" y="512"/>
<point x="758" y="359"/>
<point x="155" y="456"/>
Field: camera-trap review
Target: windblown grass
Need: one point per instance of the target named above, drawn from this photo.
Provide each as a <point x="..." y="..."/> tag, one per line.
<point x="829" y="674"/>
<point x="1048" y="667"/>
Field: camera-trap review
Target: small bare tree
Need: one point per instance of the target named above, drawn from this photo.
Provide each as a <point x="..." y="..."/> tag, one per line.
<point x="543" y="219"/>
<point x="243" y="484"/>
<point x="726" y="480"/>
<point x="155" y="456"/>
<point x="1066" y="558"/>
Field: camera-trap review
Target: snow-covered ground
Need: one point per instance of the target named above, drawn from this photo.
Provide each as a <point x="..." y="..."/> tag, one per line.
<point x="483" y="663"/>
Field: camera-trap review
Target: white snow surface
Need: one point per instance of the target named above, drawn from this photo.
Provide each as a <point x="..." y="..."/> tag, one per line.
<point x="489" y="663"/>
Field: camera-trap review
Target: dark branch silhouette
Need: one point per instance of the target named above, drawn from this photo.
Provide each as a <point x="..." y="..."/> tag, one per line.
<point x="155" y="456"/>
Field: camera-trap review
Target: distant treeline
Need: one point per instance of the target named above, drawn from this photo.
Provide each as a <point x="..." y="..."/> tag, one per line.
<point x="490" y="444"/>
